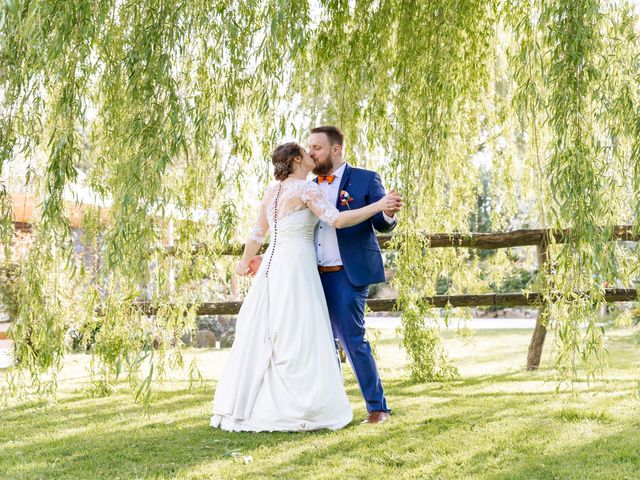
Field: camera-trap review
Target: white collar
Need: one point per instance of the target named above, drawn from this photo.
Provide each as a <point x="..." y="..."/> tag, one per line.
<point x="338" y="173"/>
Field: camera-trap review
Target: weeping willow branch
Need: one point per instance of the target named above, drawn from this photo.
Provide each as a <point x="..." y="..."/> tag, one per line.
<point x="168" y="110"/>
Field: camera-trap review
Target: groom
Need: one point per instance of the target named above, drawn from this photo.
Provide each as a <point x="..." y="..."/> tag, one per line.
<point x="349" y="259"/>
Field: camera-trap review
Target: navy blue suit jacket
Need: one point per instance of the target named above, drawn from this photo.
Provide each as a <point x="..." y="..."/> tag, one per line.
<point x="359" y="248"/>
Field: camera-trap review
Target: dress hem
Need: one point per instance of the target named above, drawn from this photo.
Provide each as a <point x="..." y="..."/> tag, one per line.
<point x="228" y="424"/>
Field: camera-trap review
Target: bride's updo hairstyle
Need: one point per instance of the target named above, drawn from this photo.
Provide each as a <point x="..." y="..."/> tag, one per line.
<point x="282" y="159"/>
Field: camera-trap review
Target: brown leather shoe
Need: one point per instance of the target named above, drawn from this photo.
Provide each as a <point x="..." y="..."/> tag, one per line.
<point x="376" y="416"/>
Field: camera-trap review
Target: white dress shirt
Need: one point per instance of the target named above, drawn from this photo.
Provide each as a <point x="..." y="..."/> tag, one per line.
<point x="326" y="239"/>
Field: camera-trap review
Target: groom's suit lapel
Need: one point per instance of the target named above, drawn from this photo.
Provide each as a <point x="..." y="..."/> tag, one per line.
<point x="343" y="182"/>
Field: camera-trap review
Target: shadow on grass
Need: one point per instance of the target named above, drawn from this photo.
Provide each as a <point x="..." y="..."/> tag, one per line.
<point x="104" y="440"/>
<point x="79" y="410"/>
<point x="487" y="441"/>
<point x="614" y="456"/>
<point x="455" y="430"/>
<point x="98" y="438"/>
<point x="464" y="387"/>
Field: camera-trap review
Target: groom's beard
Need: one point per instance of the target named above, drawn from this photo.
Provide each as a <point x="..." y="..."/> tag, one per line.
<point x="323" y="168"/>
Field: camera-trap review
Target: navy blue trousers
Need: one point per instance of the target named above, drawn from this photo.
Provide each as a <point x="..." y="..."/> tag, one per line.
<point x="346" y="304"/>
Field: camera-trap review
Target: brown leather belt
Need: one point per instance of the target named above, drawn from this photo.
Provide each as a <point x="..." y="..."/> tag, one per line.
<point x="335" y="268"/>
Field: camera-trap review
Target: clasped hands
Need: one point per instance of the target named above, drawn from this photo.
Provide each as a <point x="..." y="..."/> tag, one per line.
<point x="392" y="203"/>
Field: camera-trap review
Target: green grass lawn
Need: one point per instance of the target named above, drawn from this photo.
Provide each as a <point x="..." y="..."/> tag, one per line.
<point x="497" y="422"/>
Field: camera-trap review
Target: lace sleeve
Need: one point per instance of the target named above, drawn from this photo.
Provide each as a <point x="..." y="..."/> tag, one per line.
<point x="313" y="198"/>
<point x="260" y="228"/>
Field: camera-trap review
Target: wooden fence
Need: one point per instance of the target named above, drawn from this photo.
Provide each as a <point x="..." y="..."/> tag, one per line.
<point x="540" y="238"/>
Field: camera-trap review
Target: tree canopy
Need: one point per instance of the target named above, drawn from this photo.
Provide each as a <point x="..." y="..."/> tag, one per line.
<point x="180" y="103"/>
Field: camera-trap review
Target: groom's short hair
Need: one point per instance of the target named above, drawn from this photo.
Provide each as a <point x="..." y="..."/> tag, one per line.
<point x="334" y="133"/>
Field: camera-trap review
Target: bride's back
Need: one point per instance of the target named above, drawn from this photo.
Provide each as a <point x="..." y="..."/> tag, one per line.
<point x="288" y="197"/>
<point x="285" y="198"/>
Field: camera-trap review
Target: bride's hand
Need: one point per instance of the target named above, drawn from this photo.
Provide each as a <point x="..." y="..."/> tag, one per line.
<point x="254" y="265"/>
<point x="391" y="202"/>
<point x="242" y="268"/>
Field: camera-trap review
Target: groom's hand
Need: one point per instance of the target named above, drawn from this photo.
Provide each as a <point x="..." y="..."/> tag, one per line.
<point x="397" y="206"/>
<point x="254" y="265"/>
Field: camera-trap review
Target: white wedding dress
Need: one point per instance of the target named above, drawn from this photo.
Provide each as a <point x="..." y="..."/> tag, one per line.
<point x="283" y="372"/>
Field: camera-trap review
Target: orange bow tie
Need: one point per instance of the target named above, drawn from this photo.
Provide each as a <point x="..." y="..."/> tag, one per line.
<point x="326" y="178"/>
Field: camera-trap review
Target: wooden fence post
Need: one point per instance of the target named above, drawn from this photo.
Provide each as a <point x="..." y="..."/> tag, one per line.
<point x="540" y="330"/>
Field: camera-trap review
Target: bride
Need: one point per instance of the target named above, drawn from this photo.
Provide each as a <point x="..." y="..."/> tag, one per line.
<point x="283" y="372"/>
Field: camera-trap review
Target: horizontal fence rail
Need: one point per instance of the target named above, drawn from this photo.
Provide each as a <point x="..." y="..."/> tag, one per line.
<point x="389" y="304"/>
<point x="485" y="241"/>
